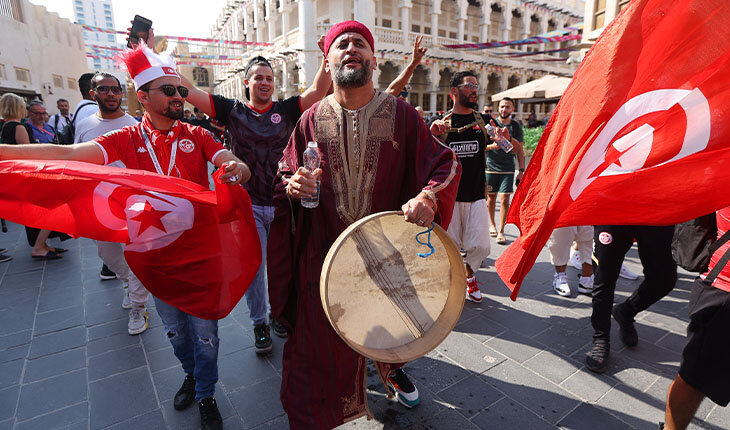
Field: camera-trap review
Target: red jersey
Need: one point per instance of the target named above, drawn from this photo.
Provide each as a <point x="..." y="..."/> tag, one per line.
<point x="723" y="224"/>
<point x="195" y="146"/>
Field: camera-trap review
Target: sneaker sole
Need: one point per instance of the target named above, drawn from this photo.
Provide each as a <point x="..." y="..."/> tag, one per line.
<point x="281" y="335"/>
<point x="561" y="294"/>
<point x="630" y="278"/>
<point x="107" y="277"/>
<point x="264" y="350"/>
<point x="473" y="299"/>
<point x="401" y="400"/>
<point x="585" y="290"/>
<point x="137" y="331"/>
<point x="126" y="306"/>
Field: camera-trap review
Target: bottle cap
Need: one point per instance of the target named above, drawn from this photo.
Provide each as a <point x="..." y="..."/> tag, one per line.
<point x="311" y="144"/>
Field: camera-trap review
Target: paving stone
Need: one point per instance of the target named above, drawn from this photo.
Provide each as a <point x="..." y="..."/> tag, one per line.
<point x="54" y="364"/>
<point x="435" y="372"/>
<point x="588" y="386"/>
<point x="233" y="338"/>
<point x="57" y="342"/>
<point x="114" y="312"/>
<point x="190" y="418"/>
<point x="553" y="366"/>
<point x="243" y="369"/>
<point x="469" y="353"/>
<point x="665" y="360"/>
<point x="537" y="394"/>
<point x="673" y="341"/>
<point x="167" y="382"/>
<point x="121" y="397"/>
<point x="470" y="396"/>
<point x="162" y="359"/>
<point x="480" y="329"/>
<point x="668" y="322"/>
<point x="598" y="419"/>
<point x="154" y="339"/>
<point x="719" y="417"/>
<point x="58" y="299"/>
<point x="7" y="424"/>
<point x="658" y="392"/>
<point x="247" y="401"/>
<point x="10" y="373"/>
<point x="111" y="343"/>
<point x="280" y="423"/>
<point x="63" y="418"/>
<point x="101" y="331"/>
<point x="624" y="404"/>
<point x="525" y="324"/>
<point x="15" y="339"/>
<point x="566" y="339"/>
<point x="59" y="319"/>
<point x="15" y="353"/>
<point x="508" y="414"/>
<point x="8" y="401"/>
<point x="52" y="394"/>
<point x="515" y="346"/>
<point x="17" y="318"/>
<point x="448" y="420"/>
<point x="109" y="363"/>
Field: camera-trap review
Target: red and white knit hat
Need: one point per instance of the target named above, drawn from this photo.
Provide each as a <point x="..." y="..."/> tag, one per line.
<point x="145" y="66"/>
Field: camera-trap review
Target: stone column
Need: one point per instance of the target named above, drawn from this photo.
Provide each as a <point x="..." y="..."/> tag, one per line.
<point x="432" y="93"/>
<point x="461" y="7"/>
<point x="435" y="12"/>
<point x="376" y="78"/>
<point x="270" y="20"/>
<point x="364" y="12"/>
<point x="258" y="21"/>
<point x="485" y="22"/>
<point x="311" y="54"/>
<point x="284" y="13"/>
<point x="405" y="17"/>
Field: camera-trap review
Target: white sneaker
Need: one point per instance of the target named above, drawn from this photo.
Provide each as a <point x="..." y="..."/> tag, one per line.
<point x="126" y="301"/>
<point x="575" y="259"/>
<point x="472" y="290"/>
<point x="137" y="321"/>
<point x="560" y="284"/>
<point x="626" y="273"/>
<point x="585" y="284"/>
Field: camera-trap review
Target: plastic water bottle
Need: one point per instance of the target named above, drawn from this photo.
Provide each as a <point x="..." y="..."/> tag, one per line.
<point x="499" y="140"/>
<point x="311" y="162"/>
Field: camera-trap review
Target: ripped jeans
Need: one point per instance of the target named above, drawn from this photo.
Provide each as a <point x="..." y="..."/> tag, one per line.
<point x="195" y="343"/>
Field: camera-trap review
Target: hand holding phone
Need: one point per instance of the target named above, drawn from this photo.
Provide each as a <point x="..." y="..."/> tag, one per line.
<point x="139" y="31"/>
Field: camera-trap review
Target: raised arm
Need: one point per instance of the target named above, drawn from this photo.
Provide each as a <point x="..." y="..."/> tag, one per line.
<point x="401" y="81"/>
<point x="320" y="86"/>
<point x="87" y="151"/>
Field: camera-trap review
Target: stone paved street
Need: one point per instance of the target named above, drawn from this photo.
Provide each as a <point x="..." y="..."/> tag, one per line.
<point x="66" y="360"/>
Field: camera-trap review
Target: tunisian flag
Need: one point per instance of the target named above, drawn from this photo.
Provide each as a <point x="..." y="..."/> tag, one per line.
<point x="196" y="249"/>
<point x="641" y="135"/>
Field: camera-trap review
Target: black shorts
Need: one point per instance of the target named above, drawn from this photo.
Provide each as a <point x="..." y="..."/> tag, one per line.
<point x="706" y="357"/>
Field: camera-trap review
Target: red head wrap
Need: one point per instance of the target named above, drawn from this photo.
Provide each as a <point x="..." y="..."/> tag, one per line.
<point x="347" y="27"/>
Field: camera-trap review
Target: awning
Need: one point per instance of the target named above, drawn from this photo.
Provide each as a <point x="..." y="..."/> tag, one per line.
<point x="548" y="87"/>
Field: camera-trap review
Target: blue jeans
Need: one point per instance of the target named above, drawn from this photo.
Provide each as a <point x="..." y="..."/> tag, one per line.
<point x="257" y="293"/>
<point x="195" y="343"/>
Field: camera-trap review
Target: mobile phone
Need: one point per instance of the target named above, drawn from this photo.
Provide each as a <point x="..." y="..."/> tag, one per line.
<point x="140" y="30"/>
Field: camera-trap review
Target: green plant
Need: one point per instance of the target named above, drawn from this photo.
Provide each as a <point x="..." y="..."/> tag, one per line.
<point x="532" y="136"/>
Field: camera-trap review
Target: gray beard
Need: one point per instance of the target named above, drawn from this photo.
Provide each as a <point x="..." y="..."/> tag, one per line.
<point x="350" y="78"/>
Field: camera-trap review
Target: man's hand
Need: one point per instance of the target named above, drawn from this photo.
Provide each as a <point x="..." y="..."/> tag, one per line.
<point x="419" y="210"/>
<point x="235" y="173"/>
<point x="320" y="43"/>
<point x="503" y="132"/>
<point x="418" y="51"/>
<point x="150" y="38"/>
<point x="439" y="127"/>
<point x="303" y="183"/>
<point x="518" y="178"/>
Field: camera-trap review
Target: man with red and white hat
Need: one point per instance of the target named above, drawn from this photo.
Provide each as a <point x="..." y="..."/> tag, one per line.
<point x="378" y="155"/>
<point x="162" y="143"/>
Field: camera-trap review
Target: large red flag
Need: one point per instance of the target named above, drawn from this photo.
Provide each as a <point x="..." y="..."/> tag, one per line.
<point x="641" y="135"/>
<point x="193" y="248"/>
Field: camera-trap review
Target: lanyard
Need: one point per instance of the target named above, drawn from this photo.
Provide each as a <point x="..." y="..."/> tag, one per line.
<point x="153" y="156"/>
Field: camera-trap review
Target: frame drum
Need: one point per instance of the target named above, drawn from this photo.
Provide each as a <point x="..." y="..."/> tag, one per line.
<point x="386" y="302"/>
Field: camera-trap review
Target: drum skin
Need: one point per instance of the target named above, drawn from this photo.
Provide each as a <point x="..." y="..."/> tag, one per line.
<point x="386" y="302"/>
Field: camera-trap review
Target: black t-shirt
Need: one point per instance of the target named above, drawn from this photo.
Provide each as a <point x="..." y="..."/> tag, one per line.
<point x="469" y="146"/>
<point x="205" y="123"/>
<point x="7" y="135"/>
<point x="500" y="161"/>
<point x="259" y="139"/>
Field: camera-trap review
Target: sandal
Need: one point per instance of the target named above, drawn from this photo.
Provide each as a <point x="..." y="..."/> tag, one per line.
<point x="59" y="250"/>
<point x="50" y="255"/>
<point x="501" y="240"/>
<point x="492" y="233"/>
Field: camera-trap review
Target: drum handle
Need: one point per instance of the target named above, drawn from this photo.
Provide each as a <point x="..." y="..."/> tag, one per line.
<point x="428" y="243"/>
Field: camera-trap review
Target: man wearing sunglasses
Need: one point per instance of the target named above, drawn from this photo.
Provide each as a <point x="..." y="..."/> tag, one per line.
<point x="162" y="143"/>
<point x="107" y="91"/>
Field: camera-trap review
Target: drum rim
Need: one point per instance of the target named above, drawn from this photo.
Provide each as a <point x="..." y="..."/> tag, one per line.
<point x="437" y="334"/>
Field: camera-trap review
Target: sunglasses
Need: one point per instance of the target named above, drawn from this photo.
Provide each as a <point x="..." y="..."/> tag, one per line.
<point x="470" y="86"/>
<point x="108" y="89"/>
<point x="169" y="90"/>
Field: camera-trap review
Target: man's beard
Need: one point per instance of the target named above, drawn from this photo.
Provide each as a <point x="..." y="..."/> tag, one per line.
<point x="170" y="113"/>
<point x="505" y="116"/>
<point x="352" y="78"/>
<point x="464" y="101"/>
<point x="103" y="107"/>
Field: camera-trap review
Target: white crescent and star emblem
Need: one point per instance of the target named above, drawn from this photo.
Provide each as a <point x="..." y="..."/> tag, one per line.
<point x="276" y="118"/>
<point x="152" y="220"/>
<point x="605" y="237"/>
<point x="629" y="154"/>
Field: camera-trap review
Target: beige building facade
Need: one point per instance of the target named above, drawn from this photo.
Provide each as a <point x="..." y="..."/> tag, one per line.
<point x="291" y="28"/>
<point x="41" y="55"/>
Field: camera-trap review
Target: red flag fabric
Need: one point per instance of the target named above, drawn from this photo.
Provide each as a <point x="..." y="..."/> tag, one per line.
<point x="196" y="249"/>
<point x="641" y="135"/>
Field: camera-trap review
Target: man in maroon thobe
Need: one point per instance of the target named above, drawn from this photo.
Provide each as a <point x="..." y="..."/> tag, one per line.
<point x="377" y="155"/>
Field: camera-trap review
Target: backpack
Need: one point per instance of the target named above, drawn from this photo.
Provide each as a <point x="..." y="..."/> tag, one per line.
<point x="67" y="135"/>
<point x="695" y="241"/>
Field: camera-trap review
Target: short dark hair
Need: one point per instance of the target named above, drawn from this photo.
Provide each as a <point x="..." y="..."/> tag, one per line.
<point x="85" y="84"/>
<point x="511" y="100"/>
<point x="103" y="75"/>
<point x="256" y="61"/>
<point x="458" y="78"/>
<point x="196" y="110"/>
<point x="61" y="100"/>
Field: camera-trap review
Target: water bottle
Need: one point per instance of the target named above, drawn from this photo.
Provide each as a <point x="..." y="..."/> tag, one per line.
<point x="501" y="141"/>
<point x="311" y="162"/>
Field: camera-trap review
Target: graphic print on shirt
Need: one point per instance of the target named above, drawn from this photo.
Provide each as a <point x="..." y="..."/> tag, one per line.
<point x="465" y="149"/>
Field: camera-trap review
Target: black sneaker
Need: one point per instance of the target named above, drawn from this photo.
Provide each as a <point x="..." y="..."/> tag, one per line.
<point x="210" y="416"/>
<point x="278" y="327"/>
<point x="405" y="392"/>
<point x="185" y="396"/>
<point x="623" y="316"/>
<point x="262" y="339"/>
<point x="597" y="358"/>
<point x="106" y="274"/>
<point x="4" y="258"/>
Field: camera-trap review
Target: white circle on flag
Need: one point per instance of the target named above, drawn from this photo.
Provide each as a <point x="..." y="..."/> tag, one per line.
<point x="179" y="218"/>
<point x="605" y="237"/>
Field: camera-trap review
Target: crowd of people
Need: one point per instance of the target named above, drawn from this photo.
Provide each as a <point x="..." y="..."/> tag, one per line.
<point x="454" y="169"/>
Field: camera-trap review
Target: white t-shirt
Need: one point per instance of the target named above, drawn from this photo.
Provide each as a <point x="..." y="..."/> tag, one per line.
<point x="84" y="109"/>
<point x="94" y="126"/>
